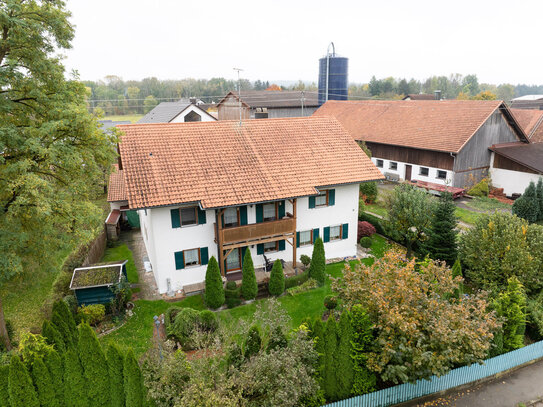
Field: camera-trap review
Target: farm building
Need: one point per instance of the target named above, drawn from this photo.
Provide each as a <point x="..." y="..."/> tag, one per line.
<point x="528" y="102"/>
<point x="92" y="284"/>
<point x="182" y="111"/>
<point x="120" y="215"/>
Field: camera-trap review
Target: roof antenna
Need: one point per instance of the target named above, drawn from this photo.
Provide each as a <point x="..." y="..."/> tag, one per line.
<point x="239" y="93"/>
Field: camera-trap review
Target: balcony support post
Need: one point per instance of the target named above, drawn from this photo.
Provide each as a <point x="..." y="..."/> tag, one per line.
<point x="294" y="235"/>
<point x="220" y="239"/>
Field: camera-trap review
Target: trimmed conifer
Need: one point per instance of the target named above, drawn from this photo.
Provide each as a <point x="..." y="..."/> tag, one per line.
<point x="20" y="388"/>
<point x="62" y="327"/>
<point x="276" y="286"/>
<point x="253" y="343"/>
<point x="53" y="362"/>
<point x="95" y="368"/>
<point x="75" y="386"/>
<point x="249" y="286"/>
<point x="62" y="308"/>
<point x="539" y="194"/>
<point x="317" y="269"/>
<point x="364" y="381"/>
<point x="441" y="244"/>
<point x="4" y="380"/>
<point x="511" y="305"/>
<point x="318" y="337"/>
<point x="44" y="385"/>
<point x="214" y="290"/>
<point x="53" y="337"/>
<point x="133" y="383"/>
<point x="330" y="360"/>
<point x="115" y="363"/>
<point x="344" y="359"/>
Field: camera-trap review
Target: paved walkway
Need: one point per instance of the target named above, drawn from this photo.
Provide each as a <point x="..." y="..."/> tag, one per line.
<point x="147" y="283"/>
<point x="524" y="385"/>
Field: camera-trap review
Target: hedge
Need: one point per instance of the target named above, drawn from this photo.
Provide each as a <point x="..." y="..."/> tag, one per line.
<point x="296" y="280"/>
<point x="379" y="224"/>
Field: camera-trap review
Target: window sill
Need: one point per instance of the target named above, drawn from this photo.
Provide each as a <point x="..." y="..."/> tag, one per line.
<point x="192" y="266"/>
<point x="189" y="226"/>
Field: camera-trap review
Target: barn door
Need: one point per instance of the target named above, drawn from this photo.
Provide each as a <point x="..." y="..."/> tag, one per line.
<point x="408" y="172"/>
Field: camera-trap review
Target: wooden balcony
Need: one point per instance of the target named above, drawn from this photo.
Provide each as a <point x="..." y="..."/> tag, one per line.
<point x="258" y="231"/>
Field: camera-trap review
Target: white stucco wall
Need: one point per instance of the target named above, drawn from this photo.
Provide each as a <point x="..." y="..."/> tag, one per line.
<point x="180" y="118"/>
<point x="415" y="172"/>
<point x="162" y="241"/>
<point x="512" y="182"/>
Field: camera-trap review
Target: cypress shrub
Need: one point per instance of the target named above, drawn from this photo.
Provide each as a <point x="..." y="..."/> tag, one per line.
<point x="318" y="262"/>
<point x="4" y="379"/>
<point x="527" y="206"/>
<point x="249" y="286"/>
<point x="457" y="271"/>
<point x="53" y="337"/>
<point x="511" y="305"/>
<point x="20" y="388"/>
<point x="539" y="194"/>
<point x="133" y="383"/>
<point x="330" y="359"/>
<point x="276" y="286"/>
<point x="53" y="362"/>
<point x="115" y="364"/>
<point x="44" y="385"/>
<point x="318" y="337"/>
<point x="75" y="387"/>
<point x="364" y="381"/>
<point x="441" y="244"/>
<point x="344" y="359"/>
<point x="62" y="327"/>
<point x="214" y="290"/>
<point x="95" y="367"/>
<point x="253" y="342"/>
<point x="62" y="308"/>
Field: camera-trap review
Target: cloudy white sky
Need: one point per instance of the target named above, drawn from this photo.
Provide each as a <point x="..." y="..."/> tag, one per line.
<point x="273" y="40"/>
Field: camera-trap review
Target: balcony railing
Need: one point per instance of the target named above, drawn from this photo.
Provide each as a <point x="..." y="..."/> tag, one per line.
<point x="258" y="231"/>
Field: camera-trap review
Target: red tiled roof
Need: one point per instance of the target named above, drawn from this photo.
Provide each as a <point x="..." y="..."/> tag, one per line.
<point x="113" y="217"/>
<point x="531" y="122"/>
<point x="222" y="164"/>
<point x="116" y="189"/>
<point x="440" y="125"/>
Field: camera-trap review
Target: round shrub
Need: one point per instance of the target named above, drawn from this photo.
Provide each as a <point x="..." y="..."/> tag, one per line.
<point x="330" y="302"/>
<point x="231" y="285"/>
<point x="305" y="260"/>
<point x="208" y="321"/>
<point x="232" y="296"/>
<point x="184" y="323"/>
<point x="365" y="229"/>
<point x="480" y="189"/>
<point x="92" y="314"/>
<point x="365" y="242"/>
<point x="169" y="316"/>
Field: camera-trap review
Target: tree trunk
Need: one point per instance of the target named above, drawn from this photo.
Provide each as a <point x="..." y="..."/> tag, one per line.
<point x="3" y="330"/>
<point x="409" y="246"/>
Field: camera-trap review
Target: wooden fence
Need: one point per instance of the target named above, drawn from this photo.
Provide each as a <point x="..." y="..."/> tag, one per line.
<point x="96" y="249"/>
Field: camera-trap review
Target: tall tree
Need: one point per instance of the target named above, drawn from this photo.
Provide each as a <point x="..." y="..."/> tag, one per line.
<point x="75" y="387"/>
<point x="511" y="305"/>
<point x="441" y="244"/>
<point x="344" y="359"/>
<point x="330" y="360"/>
<point x="95" y="367"/>
<point x="20" y="388"/>
<point x="44" y="385"/>
<point x="51" y="149"/>
<point x="54" y="364"/>
<point x="363" y="380"/>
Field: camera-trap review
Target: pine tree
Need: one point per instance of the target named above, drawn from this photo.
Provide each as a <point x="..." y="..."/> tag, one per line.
<point x="276" y="286"/>
<point x="62" y="327"/>
<point x="61" y="307"/>
<point x="441" y="244"/>
<point x="457" y="272"/>
<point x="527" y="206"/>
<point x="214" y="290"/>
<point x="364" y="381"/>
<point x="511" y="305"/>
<point x="115" y="362"/>
<point x="95" y="367"/>
<point x="44" y="385"/>
<point x="53" y="362"/>
<point x="253" y="343"/>
<point x="20" y="388"/>
<point x="344" y="359"/>
<point x="53" y="336"/>
<point x="318" y="262"/>
<point x="539" y="193"/>
<point x="318" y="337"/>
<point x="249" y="286"/>
<point x="133" y="383"/>
<point x="75" y="387"/>
<point x="330" y="360"/>
<point x="4" y="379"/>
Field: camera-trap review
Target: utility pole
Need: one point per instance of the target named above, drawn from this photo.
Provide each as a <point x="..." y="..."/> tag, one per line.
<point x="239" y="92"/>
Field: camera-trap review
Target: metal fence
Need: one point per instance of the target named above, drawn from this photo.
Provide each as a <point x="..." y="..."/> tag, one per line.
<point x="456" y="377"/>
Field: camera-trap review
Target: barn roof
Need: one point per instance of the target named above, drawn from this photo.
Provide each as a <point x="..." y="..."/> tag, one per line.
<point x="531" y="122"/>
<point x="275" y="99"/>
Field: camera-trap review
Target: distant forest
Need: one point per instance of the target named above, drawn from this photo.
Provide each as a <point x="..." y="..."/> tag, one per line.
<point x="114" y="96"/>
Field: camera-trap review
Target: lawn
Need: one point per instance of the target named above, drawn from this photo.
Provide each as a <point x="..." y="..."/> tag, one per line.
<point x="130" y="117"/>
<point x="376" y="209"/>
<point x="467" y="216"/>
<point x="138" y="330"/>
<point x="122" y="252"/>
<point x="487" y="204"/>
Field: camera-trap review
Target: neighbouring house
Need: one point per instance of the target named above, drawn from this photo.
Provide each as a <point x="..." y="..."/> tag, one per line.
<point x="422" y="96"/>
<point x="93" y="284"/>
<point x="445" y="142"/>
<point x="182" y="111"/>
<point x="120" y="214"/>
<point x="263" y="104"/>
<point x="528" y="102"/>
<point x="270" y="186"/>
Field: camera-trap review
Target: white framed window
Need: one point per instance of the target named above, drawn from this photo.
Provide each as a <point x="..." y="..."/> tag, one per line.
<point x="393" y="165"/>
<point x="192" y="257"/>
<point x="322" y="199"/>
<point x="335" y="232"/>
<point x="441" y="174"/>
<point x="379" y="163"/>
<point x="230" y="217"/>
<point x="269" y="211"/>
<point x="189" y="216"/>
<point x="424" y="171"/>
<point x="306" y="237"/>
<point x="271" y="247"/>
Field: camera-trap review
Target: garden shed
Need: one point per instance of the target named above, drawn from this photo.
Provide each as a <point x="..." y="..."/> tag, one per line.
<point x="92" y="284"/>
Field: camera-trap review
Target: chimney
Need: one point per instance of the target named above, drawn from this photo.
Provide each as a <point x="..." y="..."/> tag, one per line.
<point x="192" y="101"/>
<point x="437" y="94"/>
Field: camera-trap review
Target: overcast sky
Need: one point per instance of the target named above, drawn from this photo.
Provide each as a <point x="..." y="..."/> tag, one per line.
<point x="273" y="40"/>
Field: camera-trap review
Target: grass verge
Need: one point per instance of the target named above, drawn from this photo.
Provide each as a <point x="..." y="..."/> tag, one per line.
<point x="122" y="252"/>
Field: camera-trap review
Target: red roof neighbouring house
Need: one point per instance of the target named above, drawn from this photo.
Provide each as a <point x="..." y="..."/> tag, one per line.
<point x="223" y="164"/>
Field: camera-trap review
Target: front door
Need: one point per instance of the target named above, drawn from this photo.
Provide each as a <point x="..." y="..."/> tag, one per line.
<point x="233" y="261"/>
<point x="408" y="172"/>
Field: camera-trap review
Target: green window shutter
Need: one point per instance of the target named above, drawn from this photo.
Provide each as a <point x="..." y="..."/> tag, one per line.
<point x="204" y="255"/>
<point x="281" y="209"/>
<point x="311" y="202"/>
<point x="326" y="234"/>
<point x="201" y="217"/>
<point x="297" y="239"/>
<point x="345" y="231"/>
<point x="259" y="213"/>
<point x="331" y="197"/>
<point x="243" y="250"/>
<point x="176" y="218"/>
<point x="242" y="215"/>
<point x="281" y="245"/>
<point x="260" y="248"/>
<point x="315" y="235"/>
<point x="179" y="261"/>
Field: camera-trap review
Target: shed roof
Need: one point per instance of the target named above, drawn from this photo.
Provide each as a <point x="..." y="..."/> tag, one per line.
<point x="275" y="98"/>
<point x="221" y="164"/>
<point x="116" y="189"/>
<point x="528" y="155"/>
<point x="97" y="275"/>
<point x="439" y="125"/>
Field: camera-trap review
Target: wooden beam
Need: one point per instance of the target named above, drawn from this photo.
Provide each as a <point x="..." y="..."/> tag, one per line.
<point x="294" y="234"/>
<point x="220" y="240"/>
<point x="252" y="242"/>
<point x="228" y="253"/>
